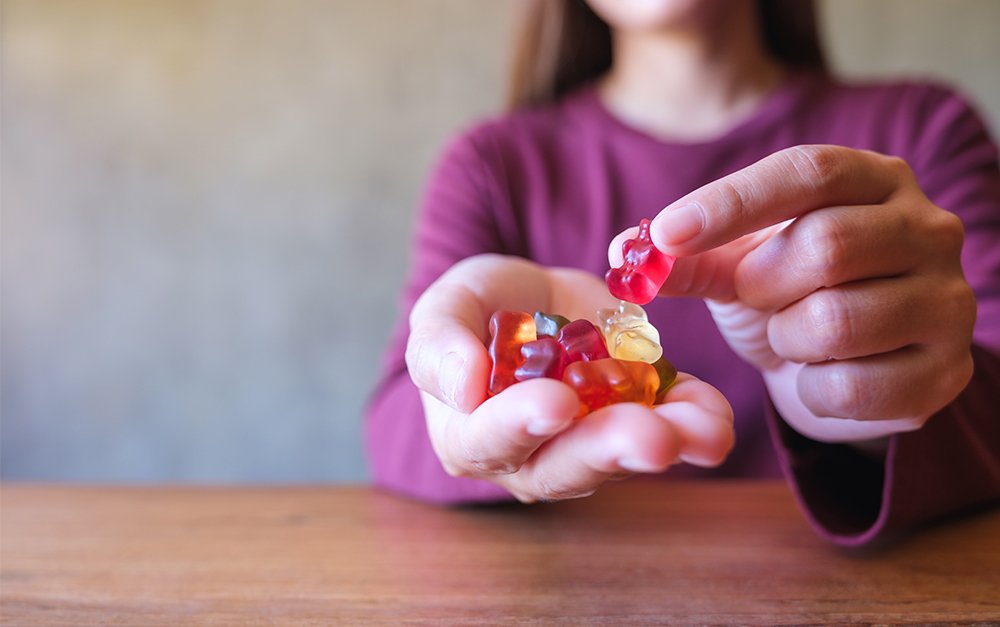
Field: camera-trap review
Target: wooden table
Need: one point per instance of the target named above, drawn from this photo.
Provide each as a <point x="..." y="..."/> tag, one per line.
<point x="638" y="552"/>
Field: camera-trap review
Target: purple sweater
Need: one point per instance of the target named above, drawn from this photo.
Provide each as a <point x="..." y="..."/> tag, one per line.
<point x="554" y="184"/>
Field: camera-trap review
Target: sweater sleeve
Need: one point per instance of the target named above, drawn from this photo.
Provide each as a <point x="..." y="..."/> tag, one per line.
<point x="952" y="464"/>
<point x="455" y="221"/>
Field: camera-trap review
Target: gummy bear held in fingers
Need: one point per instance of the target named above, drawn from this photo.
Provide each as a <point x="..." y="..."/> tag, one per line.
<point x="643" y="272"/>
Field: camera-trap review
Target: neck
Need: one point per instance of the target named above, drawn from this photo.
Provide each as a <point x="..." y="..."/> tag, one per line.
<point x="690" y="83"/>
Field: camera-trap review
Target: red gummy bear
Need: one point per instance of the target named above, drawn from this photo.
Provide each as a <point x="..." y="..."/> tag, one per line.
<point x="545" y="357"/>
<point x="548" y="357"/>
<point x="639" y="279"/>
<point x="582" y="341"/>
<point x="509" y="330"/>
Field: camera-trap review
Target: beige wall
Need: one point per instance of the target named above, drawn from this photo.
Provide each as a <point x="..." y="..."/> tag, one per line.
<point x="206" y="207"/>
<point x="956" y="41"/>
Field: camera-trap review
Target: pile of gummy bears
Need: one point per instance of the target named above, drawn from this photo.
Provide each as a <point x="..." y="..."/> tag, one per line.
<point x="620" y="361"/>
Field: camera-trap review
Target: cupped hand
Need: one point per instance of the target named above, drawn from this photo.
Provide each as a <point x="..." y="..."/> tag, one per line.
<point x="528" y="439"/>
<point x="831" y="271"/>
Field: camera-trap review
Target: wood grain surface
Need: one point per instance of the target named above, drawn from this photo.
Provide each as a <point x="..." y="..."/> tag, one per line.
<point x="638" y="552"/>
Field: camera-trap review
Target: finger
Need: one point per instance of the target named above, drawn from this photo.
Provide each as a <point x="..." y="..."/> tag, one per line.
<point x="504" y="431"/>
<point x="823" y="249"/>
<point x="859" y="319"/>
<point x="445" y="353"/>
<point x="711" y="274"/>
<point x="784" y="185"/>
<point x="619" y="438"/>
<point x="708" y="275"/>
<point x="915" y="381"/>
<point x="703" y="419"/>
<point x="615" y="256"/>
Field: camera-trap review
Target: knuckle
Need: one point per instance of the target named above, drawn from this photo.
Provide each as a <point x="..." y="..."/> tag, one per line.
<point x="845" y="394"/>
<point x="736" y="194"/>
<point x="948" y="231"/>
<point x="822" y="248"/>
<point x="899" y="166"/>
<point x="823" y="166"/>
<point x="960" y="303"/>
<point x="968" y="308"/>
<point x="829" y="317"/>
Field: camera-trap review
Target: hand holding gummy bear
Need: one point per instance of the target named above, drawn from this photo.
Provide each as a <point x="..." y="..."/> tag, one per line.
<point x="529" y="439"/>
<point x="830" y="271"/>
<point x="577" y="355"/>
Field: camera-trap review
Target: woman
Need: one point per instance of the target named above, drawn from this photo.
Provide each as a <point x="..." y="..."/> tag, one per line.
<point x="813" y="234"/>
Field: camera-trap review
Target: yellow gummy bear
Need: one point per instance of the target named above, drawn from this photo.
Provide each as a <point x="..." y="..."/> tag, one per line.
<point x="628" y="333"/>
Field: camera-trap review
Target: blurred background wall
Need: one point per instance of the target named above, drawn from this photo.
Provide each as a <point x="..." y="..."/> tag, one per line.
<point x="206" y="206"/>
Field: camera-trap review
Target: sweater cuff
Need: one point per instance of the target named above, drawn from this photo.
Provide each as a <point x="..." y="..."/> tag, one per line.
<point x="950" y="465"/>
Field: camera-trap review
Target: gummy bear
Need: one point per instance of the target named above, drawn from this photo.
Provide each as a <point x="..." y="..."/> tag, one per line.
<point x="509" y="330"/>
<point x="579" y="340"/>
<point x="667" y="375"/>
<point x="582" y="341"/>
<point x="629" y="334"/>
<point x="544" y="357"/>
<point x="642" y="274"/>
<point x="549" y="324"/>
<point x="606" y="381"/>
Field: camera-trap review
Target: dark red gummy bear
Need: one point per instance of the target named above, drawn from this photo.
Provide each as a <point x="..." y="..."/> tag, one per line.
<point x="545" y="357"/>
<point x="639" y="279"/>
<point x="582" y="341"/>
<point x="548" y="357"/>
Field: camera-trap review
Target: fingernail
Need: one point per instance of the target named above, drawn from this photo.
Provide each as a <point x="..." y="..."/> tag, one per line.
<point x="449" y="377"/>
<point x="543" y="426"/>
<point x="679" y="225"/>
<point x="634" y="464"/>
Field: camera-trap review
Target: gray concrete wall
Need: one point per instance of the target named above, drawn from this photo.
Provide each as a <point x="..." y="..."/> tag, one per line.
<point x="206" y="206"/>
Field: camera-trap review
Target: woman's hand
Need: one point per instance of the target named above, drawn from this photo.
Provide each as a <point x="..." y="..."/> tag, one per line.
<point x="831" y="271"/>
<point x="527" y="439"/>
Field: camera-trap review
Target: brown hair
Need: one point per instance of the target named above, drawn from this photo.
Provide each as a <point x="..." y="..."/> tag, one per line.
<point x="562" y="44"/>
